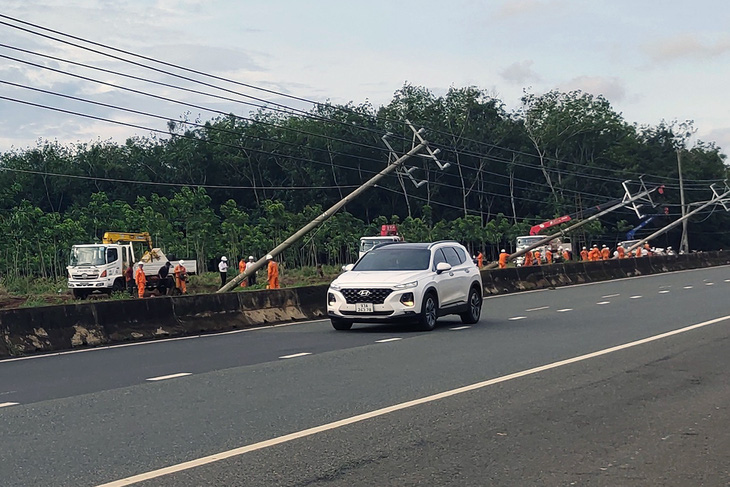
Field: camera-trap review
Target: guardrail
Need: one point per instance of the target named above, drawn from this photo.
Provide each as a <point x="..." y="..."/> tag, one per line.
<point x="54" y="328"/>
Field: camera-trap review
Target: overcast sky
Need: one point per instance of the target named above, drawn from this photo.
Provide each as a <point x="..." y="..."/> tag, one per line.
<point x="652" y="60"/>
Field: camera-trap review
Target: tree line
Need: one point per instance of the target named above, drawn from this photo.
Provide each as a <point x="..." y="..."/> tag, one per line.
<point x="239" y="186"/>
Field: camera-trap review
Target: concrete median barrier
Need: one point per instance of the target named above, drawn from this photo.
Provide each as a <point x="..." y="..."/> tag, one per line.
<point x="53" y="328"/>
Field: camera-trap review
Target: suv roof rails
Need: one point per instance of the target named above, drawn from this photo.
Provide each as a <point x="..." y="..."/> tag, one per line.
<point x="442" y="241"/>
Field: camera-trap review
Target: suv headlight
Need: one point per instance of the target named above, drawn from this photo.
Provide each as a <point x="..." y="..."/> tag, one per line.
<point x="335" y="287"/>
<point x="407" y="285"/>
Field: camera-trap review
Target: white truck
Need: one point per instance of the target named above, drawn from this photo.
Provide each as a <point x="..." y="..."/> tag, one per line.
<point x="554" y="245"/>
<point x="388" y="233"/>
<point x="99" y="268"/>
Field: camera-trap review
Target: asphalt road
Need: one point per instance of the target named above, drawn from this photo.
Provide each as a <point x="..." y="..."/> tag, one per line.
<point x="652" y="413"/>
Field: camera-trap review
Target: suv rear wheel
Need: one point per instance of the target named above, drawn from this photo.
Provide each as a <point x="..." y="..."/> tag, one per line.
<point x="339" y="324"/>
<point x="429" y="312"/>
<point x="471" y="316"/>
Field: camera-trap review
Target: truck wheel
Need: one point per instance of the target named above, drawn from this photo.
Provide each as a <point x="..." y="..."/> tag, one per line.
<point x="118" y="286"/>
<point x="80" y="293"/>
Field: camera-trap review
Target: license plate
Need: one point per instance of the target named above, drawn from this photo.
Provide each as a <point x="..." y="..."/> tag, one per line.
<point x="364" y="307"/>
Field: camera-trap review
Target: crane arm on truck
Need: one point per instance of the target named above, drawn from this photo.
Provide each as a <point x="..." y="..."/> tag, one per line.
<point x="116" y="237"/>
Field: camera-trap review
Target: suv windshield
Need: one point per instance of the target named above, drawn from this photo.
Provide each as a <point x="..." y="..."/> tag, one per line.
<point x="394" y="259"/>
<point x="87" y="256"/>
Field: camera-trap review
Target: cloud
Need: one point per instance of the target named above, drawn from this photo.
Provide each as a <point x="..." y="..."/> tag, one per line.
<point x="720" y="136"/>
<point x="686" y="46"/>
<point x="611" y="88"/>
<point x="520" y="72"/>
<point x="518" y="8"/>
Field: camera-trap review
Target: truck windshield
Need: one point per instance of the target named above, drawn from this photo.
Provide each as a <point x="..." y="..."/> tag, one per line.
<point x="368" y="244"/>
<point x="87" y="255"/>
<point x="390" y="258"/>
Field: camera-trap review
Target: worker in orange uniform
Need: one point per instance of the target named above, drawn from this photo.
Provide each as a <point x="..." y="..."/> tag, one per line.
<point x="548" y="256"/>
<point x="181" y="277"/>
<point x="621" y="252"/>
<point x="528" y="259"/>
<point x="241" y="270"/>
<point x="538" y="258"/>
<point x="605" y="253"/>
<point x="594" y="254"/>
<point x="566" y="255"/>
<point x="141" y="280"/>
<point x="480" y="259"/>
<point x="503" y="259"/>
<point x="647" y="247"/>
<point x="584" y="254"/>
<point x="273" y="273"/>
<point x="637" y="252"/>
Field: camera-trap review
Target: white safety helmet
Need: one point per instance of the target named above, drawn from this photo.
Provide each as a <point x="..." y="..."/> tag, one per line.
<point x="224" y="259"/>
<point x="250" y="257"/>
<point x="181" y="262"/>
<point x="269" y="257"/>
<point x="503" y="250"/>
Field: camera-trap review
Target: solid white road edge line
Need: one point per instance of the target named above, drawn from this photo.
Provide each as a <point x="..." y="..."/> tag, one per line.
<point x="295" y="355"/>
<point x="390" y="409"/>
<point x="171" y="376"/>
<point x="6" y="404"/>
<point x="386" y="340"/>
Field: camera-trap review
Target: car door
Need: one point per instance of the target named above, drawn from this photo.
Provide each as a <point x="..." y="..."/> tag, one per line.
<point x="461" y="274"/>
<point x="445" y="284"/>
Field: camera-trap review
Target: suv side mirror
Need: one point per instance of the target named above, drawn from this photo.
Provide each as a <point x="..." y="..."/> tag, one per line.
<point x="348" y="267"/>
<point x="442" y="267"/>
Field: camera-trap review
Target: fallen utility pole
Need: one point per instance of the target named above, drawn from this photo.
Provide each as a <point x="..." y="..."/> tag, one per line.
<point x="423" y="144"/>
<point x="719" y="198"/>
<point x="624" y="202"/>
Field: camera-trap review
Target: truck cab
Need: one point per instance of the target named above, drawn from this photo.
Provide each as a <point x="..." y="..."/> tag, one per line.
<point x="98" y="268"/>
<point x="388" y="234"/>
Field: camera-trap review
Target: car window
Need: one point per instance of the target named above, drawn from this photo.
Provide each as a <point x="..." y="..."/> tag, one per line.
<point x="391" y="258"/>
<point x="461" y="253"/>
<point x="451" y="256"/>
<point x="438" y="256"/>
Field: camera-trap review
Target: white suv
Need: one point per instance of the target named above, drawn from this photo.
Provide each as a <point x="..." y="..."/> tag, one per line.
<point x="407" y="281"/>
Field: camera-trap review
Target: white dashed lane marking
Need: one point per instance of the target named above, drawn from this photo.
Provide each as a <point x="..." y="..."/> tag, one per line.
<point x="538" y="309"/>
<point x="604" y="302"/>
<point x="610" y="296"/>
<point x="6" y="404"/>
<point x="295" y="355"/>
<point x="709" y="284"/>
<point x="663" y="292"/>
<point x="638" y="296"/>
<point x="456" y="328"/>
<point x="515" y="318"/>
<point x="564" y="310"/>
<point x="687" y="287"/>
<point x="386" y="340"/>
<point x="171" y="376"/>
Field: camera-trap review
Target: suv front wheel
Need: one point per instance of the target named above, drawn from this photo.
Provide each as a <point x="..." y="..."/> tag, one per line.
<point x="429" y="312"/>
<point x="340" y="324"/>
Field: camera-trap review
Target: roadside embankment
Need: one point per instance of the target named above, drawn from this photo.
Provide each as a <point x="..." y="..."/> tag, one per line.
<point x="54" y="328"/>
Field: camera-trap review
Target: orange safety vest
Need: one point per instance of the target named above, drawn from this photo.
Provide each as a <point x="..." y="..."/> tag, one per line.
<point x="621" y="252"/>
<point x="584" y="255"/>
<point x="549" y="256"/>
<point x="606" y="253"/>
<point x="503" y="260"/>
<point x="528" y="259"/>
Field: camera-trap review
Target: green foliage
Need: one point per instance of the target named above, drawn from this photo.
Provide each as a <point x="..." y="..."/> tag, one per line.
<point x="561" y="153"/>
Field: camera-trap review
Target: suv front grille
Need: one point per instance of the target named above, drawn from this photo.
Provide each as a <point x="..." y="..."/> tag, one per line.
<point x="366" y="295"/>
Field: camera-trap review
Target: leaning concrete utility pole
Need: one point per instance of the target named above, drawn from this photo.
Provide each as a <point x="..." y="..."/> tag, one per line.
<point x="628" y="200"/>
<point x="717" y="199"/>
<point x="684" y="242"/>
<point x="416" y="150"/>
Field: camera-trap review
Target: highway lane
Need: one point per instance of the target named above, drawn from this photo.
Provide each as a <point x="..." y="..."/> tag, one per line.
<point x="91" y="417"/>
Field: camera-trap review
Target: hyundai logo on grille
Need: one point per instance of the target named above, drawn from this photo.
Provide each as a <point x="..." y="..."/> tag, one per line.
<point x="364" y="292"/>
